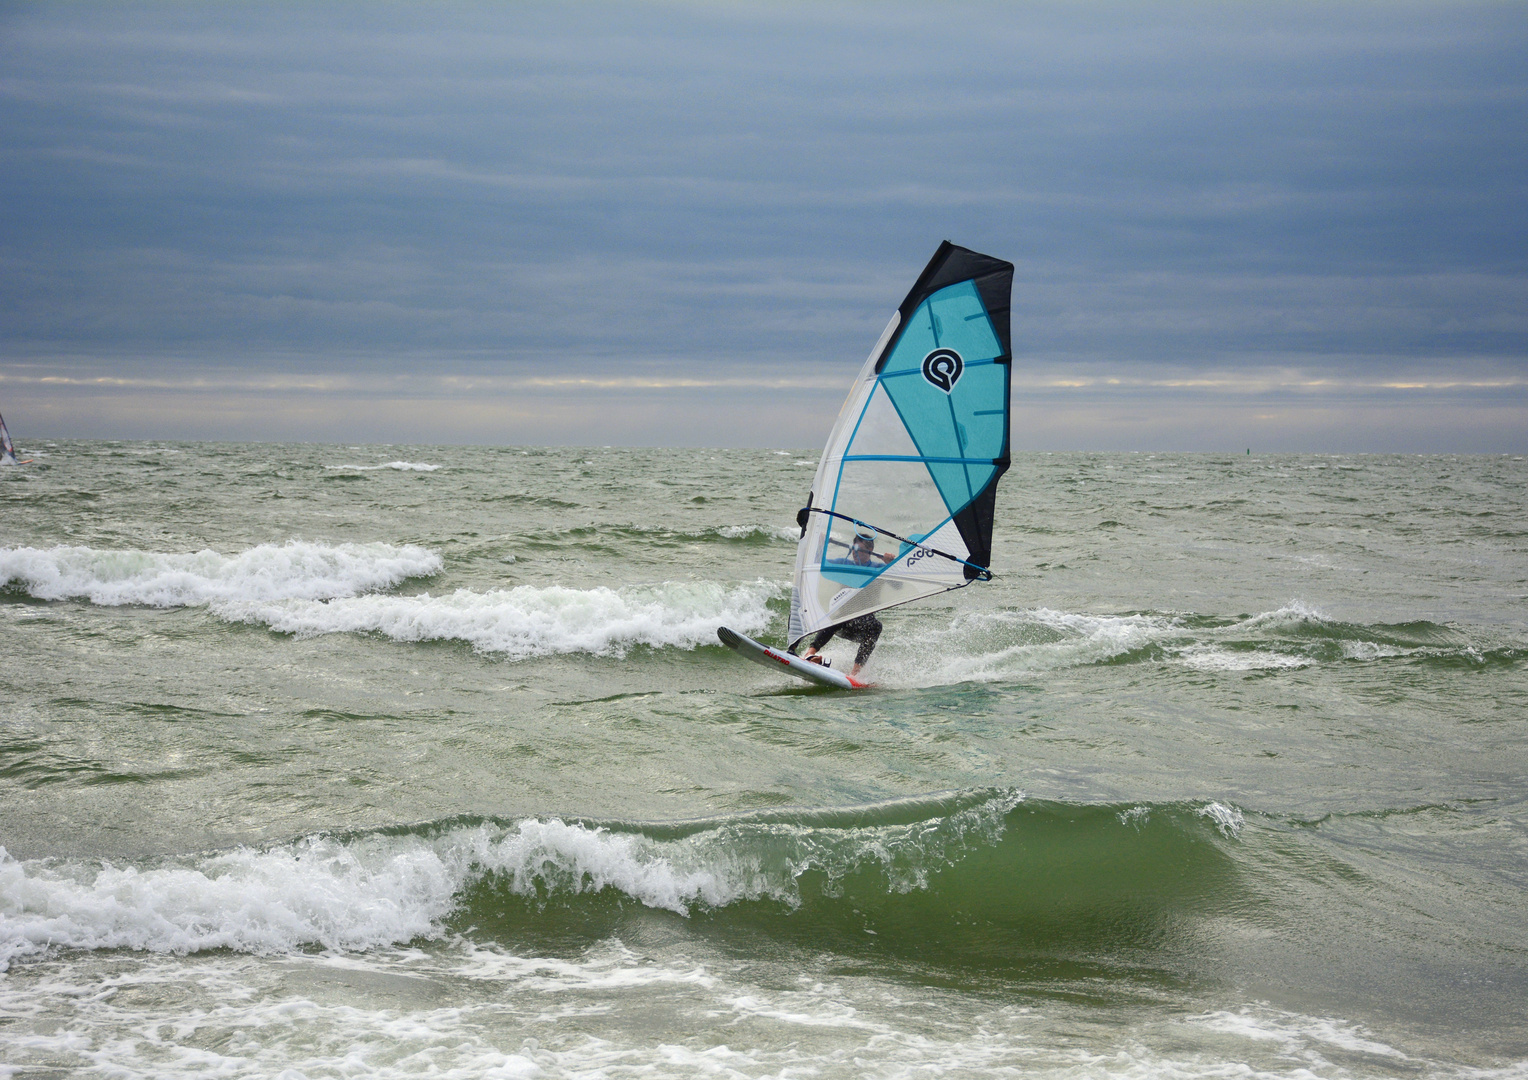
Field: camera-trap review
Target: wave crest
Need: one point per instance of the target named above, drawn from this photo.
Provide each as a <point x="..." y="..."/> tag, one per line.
<point x="1002" y="644"/>
<point x="932" y="863"/>
<point x="296" y="570"/>
<point x="529" y="621"/>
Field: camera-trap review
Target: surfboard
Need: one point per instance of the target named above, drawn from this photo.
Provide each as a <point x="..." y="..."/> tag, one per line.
<point x="783" y="661"/>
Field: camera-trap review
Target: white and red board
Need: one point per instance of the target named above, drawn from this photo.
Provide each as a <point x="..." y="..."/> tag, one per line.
<point x="783" y="661"/>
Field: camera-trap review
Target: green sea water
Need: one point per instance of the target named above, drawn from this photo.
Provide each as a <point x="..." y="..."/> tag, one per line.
<point x="333" y="761"/>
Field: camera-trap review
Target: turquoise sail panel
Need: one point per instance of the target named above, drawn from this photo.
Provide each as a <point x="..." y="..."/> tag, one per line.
<point x="967" y="422"/>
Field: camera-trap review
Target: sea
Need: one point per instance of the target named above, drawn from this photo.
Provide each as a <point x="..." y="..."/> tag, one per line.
<point x="425" y="761"/>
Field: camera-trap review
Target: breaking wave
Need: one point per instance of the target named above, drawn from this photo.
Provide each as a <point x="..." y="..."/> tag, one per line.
<point x="997" y="645"/>
<point x="986" y="859"/>
<point x="400" y="466"/>
<point x="529" y="621"/>
<point x="309" y="589"/>
<point x="765" y="532"/>
<point x="295" y="570"/>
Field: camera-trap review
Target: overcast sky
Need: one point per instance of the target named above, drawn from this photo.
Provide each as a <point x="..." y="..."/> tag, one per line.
<point x="1294" y="226"/>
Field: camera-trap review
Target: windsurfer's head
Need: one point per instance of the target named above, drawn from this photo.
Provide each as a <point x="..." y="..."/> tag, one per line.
<point x="862" y="547"/>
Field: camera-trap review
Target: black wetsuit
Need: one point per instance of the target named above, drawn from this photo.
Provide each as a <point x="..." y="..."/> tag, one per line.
<point x="866" y="630"/>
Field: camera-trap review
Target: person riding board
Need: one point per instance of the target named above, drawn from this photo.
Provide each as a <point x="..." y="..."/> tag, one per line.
<point x="867" y="628"/>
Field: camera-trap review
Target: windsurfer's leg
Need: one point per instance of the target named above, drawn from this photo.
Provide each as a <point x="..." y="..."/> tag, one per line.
<point x="867" y="631"/>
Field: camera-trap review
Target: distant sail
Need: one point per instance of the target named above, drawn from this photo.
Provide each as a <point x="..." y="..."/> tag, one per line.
<point x="7" y="448"/>
<point x="914" y="459"/>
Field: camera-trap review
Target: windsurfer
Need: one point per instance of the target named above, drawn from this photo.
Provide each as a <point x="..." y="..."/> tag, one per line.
<point x="867" y="628"/>
<point x="862" y="549"/>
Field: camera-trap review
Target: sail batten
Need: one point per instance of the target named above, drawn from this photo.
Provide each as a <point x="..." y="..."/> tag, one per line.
<point x="913" y="460"/>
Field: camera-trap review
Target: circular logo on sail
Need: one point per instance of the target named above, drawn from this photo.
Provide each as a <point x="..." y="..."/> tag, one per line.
<point x="942" y="367"/>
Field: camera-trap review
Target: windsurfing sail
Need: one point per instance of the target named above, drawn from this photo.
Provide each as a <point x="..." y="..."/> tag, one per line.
<point x="911" y="467"/>
<point x="7" y="448"/>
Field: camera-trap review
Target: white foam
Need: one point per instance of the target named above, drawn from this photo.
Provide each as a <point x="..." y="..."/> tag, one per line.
<point x="230" y="1016"/>
<point x="1295" y="1032"/>
<point x="1048" y="640"/>
<point x="1136" y="816"/>
<point x="1227" y="819"/>
<point x="1373" y="650"/>
<point x="308" y="589"/>
<point x="1294" y="612"/>
<point x="401" y="466"/>
<point x="572" y="859"/>
<point x="530" y="621"/>
<point x="296" y="570"/>
<point x="612" y="967"/>
<point x="772" y="532"/>
<point x="456" y="1009"/>
<point x="317" y="891"/>
<point x="1007" y="643"/>
<point x="1217" y="658"/>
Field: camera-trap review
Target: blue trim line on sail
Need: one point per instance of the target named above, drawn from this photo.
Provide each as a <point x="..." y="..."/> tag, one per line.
<point x="838" y="482"/>
<point x="921" y="459"/>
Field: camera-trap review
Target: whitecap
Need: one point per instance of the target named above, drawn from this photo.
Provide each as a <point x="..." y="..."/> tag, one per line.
<point x="1294" y="612"/>
<point x="1049" y="640"/>
<point x="315" y="892"/>
<point x="530" y="621"/>
<point x="772" y="532"/>
<point x="1228" y="819"/>
<point x="401" y="466"/>
<point x="296" y="570"/>
<point x="1373" y="650"/>
<point x="1216" y="658"/>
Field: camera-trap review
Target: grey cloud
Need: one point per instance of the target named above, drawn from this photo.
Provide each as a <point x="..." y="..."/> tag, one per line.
<point x="459" y="186"/>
